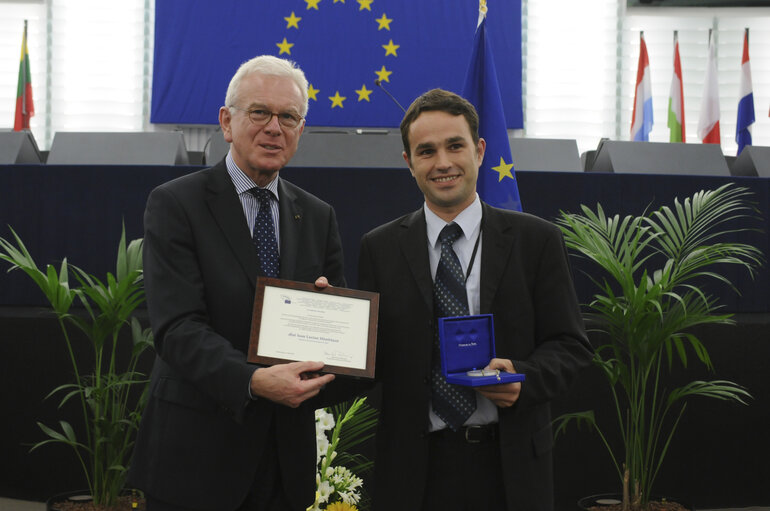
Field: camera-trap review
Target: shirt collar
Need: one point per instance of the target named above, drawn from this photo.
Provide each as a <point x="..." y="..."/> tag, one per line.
<point x="469" y="220"/>
<point x="242" y="182"/>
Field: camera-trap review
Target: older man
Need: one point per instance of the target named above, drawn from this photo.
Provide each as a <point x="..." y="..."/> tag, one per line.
<point x="218" y="433"/>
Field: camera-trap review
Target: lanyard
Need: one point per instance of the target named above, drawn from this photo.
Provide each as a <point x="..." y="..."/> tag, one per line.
<point x="473" y="255"/>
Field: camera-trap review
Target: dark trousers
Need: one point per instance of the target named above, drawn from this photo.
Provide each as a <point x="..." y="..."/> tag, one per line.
<point x="464" y="475"/>
<point x="266" y="494"/>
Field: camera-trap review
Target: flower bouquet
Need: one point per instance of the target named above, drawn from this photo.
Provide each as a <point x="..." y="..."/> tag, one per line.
<point x="338" y="488"/>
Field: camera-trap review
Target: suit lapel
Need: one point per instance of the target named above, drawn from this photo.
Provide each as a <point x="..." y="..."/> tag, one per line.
<point x="227" y="211"/>
<point x="414" y="242"/>
<point x="496" y="247"/>
<point x="290" y="226"/>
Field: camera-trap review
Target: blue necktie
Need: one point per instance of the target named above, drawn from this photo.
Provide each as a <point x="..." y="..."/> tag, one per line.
<point x="452" y="403"/>
<point x="264" y="234"/>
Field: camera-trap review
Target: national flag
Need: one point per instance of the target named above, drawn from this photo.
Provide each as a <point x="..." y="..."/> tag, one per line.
<point x="496" y="183"/>
<point x="25" y="108"/>
<point x="641" y="120"/>
<point x="708" y="124"/>
<point x="746" y="103"/>
<point x="676" y="99"/>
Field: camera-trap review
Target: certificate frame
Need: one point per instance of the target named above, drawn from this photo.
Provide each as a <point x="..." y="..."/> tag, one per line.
<point x="268" y="310"/>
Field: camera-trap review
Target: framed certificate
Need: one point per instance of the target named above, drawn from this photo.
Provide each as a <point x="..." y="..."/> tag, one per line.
<point x="296" y="321"/>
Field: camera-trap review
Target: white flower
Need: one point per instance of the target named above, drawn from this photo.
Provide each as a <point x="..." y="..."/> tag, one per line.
<point x="345" y="497"/>
<point x="324" y="420"/>
<point x="324" y="491"/>
<point x="322" y="444"/>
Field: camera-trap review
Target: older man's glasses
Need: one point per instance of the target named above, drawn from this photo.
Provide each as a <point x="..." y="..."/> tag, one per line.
<point x="261" y="117"/>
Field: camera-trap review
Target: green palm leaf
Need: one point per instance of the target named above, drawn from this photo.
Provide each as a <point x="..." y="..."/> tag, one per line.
<point x="648" y="299"/>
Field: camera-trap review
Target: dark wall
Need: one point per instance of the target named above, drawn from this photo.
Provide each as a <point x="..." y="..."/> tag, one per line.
<point x="34" y="362"/>
<point x="77" y="212"/>
<point x="718" y="457"/>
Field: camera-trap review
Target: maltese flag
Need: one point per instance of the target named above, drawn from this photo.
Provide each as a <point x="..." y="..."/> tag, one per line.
<point x="746" y="103"/>
<point x="641" y="120"/>
<point x="708" y="124"/>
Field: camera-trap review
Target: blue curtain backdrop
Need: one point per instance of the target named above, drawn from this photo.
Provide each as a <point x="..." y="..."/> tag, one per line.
<point x="342" y="45"/>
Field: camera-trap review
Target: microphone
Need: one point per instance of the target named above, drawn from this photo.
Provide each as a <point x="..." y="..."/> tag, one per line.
<point x="378" y="83"/>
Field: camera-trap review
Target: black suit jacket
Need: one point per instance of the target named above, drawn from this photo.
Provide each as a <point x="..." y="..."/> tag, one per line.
<point x="201" y="438"/>
<point x="527" y="285"/>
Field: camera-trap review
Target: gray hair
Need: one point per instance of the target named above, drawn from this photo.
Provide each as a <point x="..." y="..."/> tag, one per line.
<point x="272" y="66"/>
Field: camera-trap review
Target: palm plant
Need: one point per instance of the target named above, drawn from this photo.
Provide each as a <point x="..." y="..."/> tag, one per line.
<point x="647" y="314"/>
<point x="109" y="406"/>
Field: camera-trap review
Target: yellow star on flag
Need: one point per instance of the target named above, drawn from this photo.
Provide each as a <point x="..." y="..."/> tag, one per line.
<point x="292" y="21"/>
<point x="363" y="93"/>
<point x="383" y="22"/>
<point x="365" y="4"/>
<point x="312" y="92"/>
<point x="504" y="169"/>
<point x="337" y="99"/>
<point x="383" y="74"/>
<point x="285" y="47"/>
<point x="312" y="4"/>
<point x="390" y="48"/>
<point x="335" y="1"/>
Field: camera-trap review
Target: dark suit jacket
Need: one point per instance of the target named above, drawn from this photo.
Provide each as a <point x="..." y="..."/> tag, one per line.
<point x="526" y="283"/>
<point x="201" y="438"/>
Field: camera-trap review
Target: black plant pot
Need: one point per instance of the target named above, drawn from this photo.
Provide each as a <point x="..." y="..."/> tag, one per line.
<point x="607" y="499"/>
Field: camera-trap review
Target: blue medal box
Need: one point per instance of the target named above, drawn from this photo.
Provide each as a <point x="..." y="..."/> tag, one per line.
<point x="468" y="344"/>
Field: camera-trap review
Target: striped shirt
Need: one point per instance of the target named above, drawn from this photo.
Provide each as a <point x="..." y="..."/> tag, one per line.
<point x="243" y="184"/>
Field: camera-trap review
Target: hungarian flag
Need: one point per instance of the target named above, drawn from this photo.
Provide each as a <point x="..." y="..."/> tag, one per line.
<point x="746" y="102"/>
<point x="708" y="124"/>
<point x="641" y="120"/>
<point x="25" y="108"/>
<point x="676" y="99"/>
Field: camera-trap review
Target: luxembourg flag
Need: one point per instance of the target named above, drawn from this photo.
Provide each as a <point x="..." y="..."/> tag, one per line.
<point x="708" y="124"/>
<point x="676" y="99"/>
<point x="746" y="103"/>
<point x="641" y="120"/>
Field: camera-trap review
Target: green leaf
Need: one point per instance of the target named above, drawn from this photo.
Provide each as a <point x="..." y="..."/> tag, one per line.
<point x="648" y="271"/>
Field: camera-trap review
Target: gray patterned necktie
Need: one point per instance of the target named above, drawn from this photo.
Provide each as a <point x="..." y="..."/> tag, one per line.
<point x="264" y="234"/>
<point x="452" y="403"/>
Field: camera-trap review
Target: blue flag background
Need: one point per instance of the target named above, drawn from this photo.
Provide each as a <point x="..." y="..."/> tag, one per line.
<point x="496" y="184"/>
<point x="342" y="45"/>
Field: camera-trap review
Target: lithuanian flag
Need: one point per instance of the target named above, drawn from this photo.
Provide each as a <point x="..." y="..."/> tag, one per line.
<point x="25" y="108"/>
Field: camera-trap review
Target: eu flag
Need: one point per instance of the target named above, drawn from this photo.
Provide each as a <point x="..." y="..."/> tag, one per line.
<point x="497" y="179"/>
<point x="343" y="46"/>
